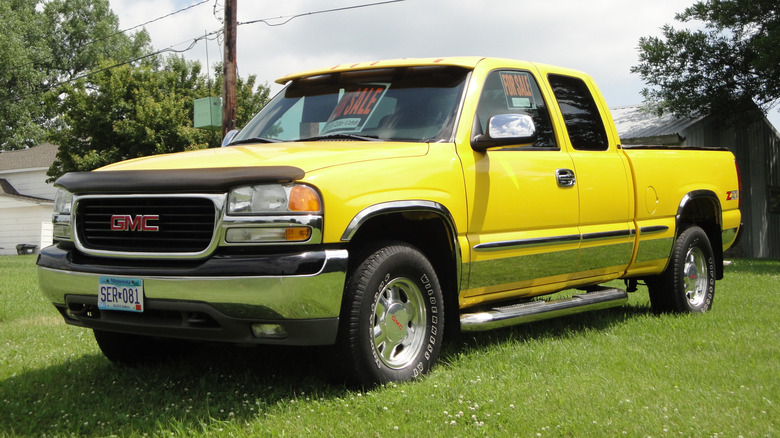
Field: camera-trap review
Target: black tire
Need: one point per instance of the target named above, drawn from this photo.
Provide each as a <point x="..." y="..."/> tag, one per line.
<point x="688" y="283"/>
<point x="392" y="317"/>
<point x="132" y="350"/>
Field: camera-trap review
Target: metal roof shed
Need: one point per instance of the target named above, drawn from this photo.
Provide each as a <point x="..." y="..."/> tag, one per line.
<point x="756" y="146"/>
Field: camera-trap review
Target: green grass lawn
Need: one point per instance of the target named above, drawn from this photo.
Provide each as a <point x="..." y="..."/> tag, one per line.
<point x="618" y="372"/>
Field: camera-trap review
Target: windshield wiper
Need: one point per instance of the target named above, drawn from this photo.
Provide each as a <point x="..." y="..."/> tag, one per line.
<point x="254" y="140"/>
<point x="341" y="137"/>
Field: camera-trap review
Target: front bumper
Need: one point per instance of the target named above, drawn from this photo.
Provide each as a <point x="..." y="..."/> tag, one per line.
<point x="219" y="299"/>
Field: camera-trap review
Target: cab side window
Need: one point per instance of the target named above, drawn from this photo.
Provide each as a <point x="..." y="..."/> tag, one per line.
<point x="516" y="92"/>
<point x="580" y="113"/>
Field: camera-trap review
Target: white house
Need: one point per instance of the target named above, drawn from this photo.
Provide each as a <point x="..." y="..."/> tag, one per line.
<point x="26" y="199"/>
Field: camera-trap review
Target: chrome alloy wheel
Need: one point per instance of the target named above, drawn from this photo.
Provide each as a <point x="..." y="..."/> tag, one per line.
<point x="695" y="277"/>
<point x="398" y="322"/>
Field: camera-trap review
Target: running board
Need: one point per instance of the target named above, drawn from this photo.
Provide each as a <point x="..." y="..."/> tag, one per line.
<point x="498" y="317"/>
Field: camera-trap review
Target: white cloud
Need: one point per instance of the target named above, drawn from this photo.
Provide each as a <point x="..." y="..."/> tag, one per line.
<point x="598" y="36"/>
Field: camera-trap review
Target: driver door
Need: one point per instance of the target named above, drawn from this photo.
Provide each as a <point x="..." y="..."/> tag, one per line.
<point x="523" y="222"/>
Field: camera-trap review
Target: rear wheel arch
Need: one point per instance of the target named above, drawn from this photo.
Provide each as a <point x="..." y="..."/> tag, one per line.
<point x="702" y="208"/>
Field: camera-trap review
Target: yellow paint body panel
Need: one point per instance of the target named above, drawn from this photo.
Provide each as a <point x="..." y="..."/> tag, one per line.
<point x="519" y="232"/>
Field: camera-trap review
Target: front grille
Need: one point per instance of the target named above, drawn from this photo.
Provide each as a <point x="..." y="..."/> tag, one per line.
<point x="173" y="225"/>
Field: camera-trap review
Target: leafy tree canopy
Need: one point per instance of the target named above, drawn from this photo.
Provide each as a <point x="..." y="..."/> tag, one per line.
<point x="134" y="111"/>
<point x="69" y="75"/>
<point x="725" y="68"/>
<point x="23" y="52"/>
<point x="83" y="33"/>
<point x="44" y="43"/>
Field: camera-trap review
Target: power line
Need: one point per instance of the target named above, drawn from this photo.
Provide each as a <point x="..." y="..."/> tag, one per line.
<point x="163" y="16"/>
<point x="288" y="18"/>
<point x="193" y="42"/>
<point x="217" y="11"/>
<point x="169" y="49"/>
<point x="94" y="41"/>
<point x="147" y="22"/>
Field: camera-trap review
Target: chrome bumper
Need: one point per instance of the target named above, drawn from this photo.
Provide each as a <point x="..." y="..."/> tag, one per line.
<point x="306" y="306"/>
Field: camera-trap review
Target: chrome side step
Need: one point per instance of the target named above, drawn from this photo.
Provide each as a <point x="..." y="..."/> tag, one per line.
<point x="504" y="316"/>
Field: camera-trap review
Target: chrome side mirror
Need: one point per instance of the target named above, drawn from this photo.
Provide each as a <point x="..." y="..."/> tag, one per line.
<point x="504" y="126"/>
<point x="506" y="129"/>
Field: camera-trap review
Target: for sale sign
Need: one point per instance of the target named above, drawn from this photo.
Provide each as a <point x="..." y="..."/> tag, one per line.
<point x="354" y="108"/>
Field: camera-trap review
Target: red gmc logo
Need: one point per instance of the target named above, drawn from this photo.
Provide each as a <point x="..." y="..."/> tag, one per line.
<point x="126" y="222"/>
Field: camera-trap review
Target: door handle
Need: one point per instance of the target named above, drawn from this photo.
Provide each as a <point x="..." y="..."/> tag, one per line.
<point x="565" y="177"/>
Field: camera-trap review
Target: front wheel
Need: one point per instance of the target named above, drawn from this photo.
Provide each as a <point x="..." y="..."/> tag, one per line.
<point x="393" y="315"/>
<point x="131" y="350"/>
<point x="688" y="283"/>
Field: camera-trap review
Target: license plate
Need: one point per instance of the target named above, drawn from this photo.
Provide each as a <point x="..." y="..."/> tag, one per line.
<point x="117" y="293"/>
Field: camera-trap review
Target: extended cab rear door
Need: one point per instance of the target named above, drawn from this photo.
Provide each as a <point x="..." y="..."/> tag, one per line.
<point x="603" y="177"/>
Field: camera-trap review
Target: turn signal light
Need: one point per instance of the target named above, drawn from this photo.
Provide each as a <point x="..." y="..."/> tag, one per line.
<point x="303" y="198"/>
<point x="251" y="235"/>
<point x="297" y="234"/>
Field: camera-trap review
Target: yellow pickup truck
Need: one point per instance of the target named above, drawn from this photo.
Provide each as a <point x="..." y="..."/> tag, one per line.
<point x="379" y="207"/>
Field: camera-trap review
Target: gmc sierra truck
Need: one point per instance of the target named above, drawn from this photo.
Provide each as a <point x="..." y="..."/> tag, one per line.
<point x="378" y="206"/>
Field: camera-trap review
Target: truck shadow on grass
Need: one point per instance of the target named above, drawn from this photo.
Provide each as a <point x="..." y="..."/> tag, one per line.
<point x="207" y="385"/>
<point x="556" y="328"/>
<point x="202" y="385"/>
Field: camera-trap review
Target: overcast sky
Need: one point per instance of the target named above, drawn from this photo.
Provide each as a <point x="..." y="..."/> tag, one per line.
<point x="599" y="37"/>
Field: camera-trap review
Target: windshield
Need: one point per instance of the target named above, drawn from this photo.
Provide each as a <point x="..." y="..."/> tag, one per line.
<point x="417" y="104"/>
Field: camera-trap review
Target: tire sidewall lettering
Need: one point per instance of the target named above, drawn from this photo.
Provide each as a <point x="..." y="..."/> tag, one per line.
<point x="703" y="245"/>
<point x="667" y="290"/>
<point x="710" y="283"/>
<point x="391" y="285"/>
<point x="421" y="362"/>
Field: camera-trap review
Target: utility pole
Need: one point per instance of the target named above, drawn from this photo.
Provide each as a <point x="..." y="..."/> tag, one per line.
<point x="229" y="69"/>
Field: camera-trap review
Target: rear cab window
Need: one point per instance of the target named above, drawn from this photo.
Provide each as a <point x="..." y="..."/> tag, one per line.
<point x="584" y="124"/>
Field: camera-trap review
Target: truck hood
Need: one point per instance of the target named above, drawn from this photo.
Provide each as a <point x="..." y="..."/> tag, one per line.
<point x="308" y="156"/>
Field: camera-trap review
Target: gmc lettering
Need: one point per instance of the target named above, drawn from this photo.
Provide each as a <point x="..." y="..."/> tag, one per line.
<point x="126" y="222"/>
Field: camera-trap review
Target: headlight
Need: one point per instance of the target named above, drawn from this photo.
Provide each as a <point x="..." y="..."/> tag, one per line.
<point x="283" y="213"/>
<point x="61" y="228"/>
<point x="273" y="198"/>
<point x="63" y="201"/>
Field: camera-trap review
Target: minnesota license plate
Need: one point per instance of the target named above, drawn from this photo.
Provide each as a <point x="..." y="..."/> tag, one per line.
<point x="118" y="293"/>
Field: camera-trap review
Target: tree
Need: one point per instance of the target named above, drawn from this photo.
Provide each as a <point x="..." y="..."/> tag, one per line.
<point x="726" y="68"/>
<point x="84" y="32"/>
<point x="46" y="43"/>
<point x="23" y="51"/>
<point x="134" y="111"/>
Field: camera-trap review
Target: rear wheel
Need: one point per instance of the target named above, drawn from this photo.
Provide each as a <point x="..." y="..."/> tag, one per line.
<point x="392" y="319"/>
<point x="688" y="283"/>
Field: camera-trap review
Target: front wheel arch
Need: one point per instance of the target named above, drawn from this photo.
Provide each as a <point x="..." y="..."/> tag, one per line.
<point x="430" y="228"/>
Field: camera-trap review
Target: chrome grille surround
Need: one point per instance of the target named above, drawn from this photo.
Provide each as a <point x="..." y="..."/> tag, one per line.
<point x="92" y="221"/>
<point x="221" y="223"/>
